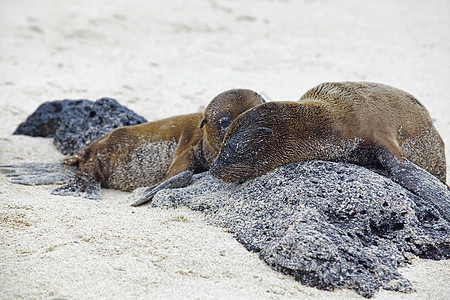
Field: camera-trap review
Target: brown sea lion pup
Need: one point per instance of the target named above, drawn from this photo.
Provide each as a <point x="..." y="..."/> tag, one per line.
<point x="158" y="154"/>
<point x="358" y="122"/>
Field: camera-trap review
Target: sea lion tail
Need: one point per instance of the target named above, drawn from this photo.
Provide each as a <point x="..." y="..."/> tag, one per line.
<point x="38" y="173"/>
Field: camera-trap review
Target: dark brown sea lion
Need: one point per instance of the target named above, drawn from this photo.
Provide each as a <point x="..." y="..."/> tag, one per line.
<point x="157" y="154"/>
<point x="358" y="122"/>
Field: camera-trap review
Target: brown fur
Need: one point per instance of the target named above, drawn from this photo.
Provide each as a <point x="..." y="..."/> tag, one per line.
<point x="146" y="154"/>
<point x="333" y="121"/>
<point x="219" y="114"/>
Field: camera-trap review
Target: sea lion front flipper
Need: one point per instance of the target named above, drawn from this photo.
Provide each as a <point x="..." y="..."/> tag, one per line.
<point x="417" y="180"/>
<point x="38" y="173"/>
<point x="81" y="185"/>
<point x="177" y="181"/>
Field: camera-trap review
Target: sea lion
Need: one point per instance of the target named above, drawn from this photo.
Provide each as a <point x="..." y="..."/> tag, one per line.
<point x="358" y="122"/>
<point x="158" y="154"/>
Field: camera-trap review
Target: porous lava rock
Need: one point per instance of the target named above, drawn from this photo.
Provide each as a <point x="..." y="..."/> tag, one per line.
<point x="330" y="225"/>
<point x="73" y="124"/>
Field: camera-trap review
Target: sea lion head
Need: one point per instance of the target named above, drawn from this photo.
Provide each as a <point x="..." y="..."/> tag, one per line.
<point x="255" y="143"/>
<point x="219" y="114"/>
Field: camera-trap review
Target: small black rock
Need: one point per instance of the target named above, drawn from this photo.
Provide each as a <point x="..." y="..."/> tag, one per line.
<point x="73" y="124"/>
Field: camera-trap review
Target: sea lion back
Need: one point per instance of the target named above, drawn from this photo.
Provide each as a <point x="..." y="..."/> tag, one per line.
<point x="384" y="116"/>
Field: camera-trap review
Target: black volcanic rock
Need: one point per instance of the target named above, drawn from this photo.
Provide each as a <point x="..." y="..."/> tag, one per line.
<point x="330" y="225"/>
<point x="73" y="124"/>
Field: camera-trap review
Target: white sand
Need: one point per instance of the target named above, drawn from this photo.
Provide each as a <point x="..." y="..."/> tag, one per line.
<point x="172" y="58"/>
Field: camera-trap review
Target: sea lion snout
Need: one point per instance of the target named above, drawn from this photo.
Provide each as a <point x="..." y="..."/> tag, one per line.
<point x="231" y="164"/>
<point x="244" y="154"/>
<point x="230" y="173"/>
<point x="221" y="168"/>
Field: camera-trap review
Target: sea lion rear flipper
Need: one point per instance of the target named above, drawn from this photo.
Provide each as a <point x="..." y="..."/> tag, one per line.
<point x="177" y="181"/>
<point x="81" y="185"/>
<point x="418" y="181"/>
<point x="38" y="173"/>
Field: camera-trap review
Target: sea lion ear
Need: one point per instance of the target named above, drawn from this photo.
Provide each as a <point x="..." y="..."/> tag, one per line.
<point x="265" y="129"/>
<point x="204" y="121"/>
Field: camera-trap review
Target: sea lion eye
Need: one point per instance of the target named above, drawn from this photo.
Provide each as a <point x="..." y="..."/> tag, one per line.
<point x="224" y="122"/>
<point x="265" y="129"/>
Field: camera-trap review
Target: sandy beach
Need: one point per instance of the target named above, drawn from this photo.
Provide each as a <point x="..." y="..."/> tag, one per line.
<point x="167" y="58"/>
